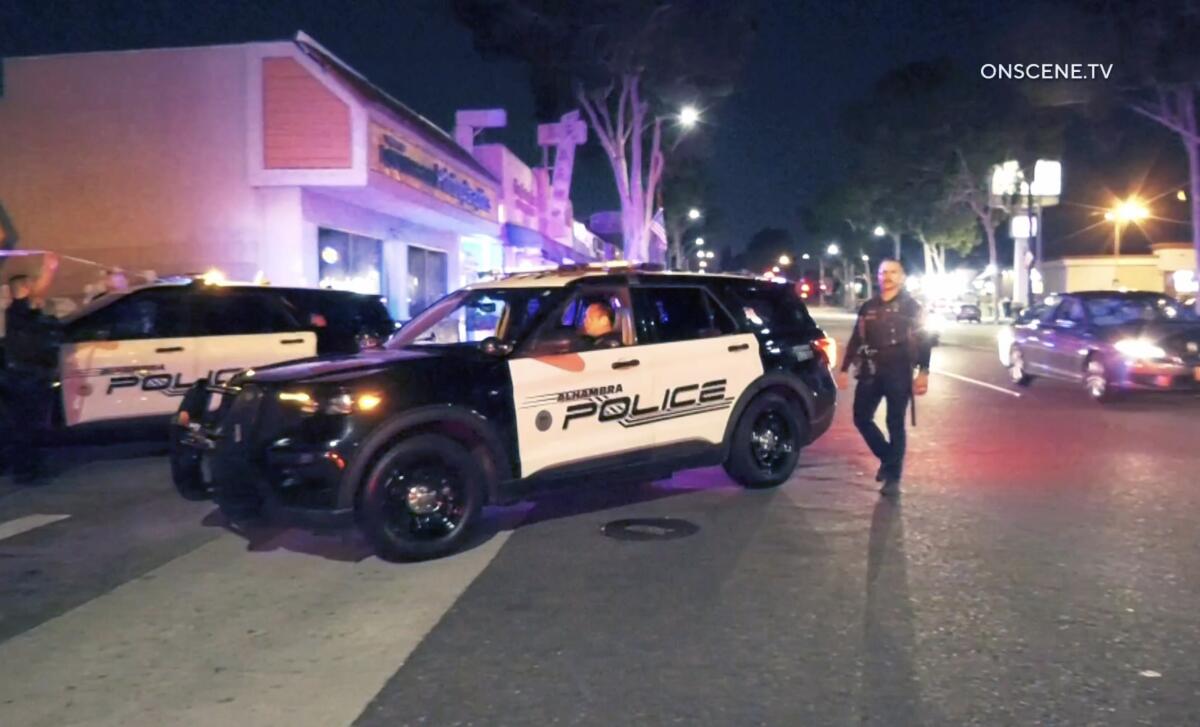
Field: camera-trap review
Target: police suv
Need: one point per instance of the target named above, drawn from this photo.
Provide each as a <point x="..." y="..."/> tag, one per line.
<point x="132" y="356"/>
<point x="498" y="388"/>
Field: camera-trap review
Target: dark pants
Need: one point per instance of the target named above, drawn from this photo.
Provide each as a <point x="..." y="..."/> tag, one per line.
<point x="895" y="385"/>
<point x="28" y="419"/>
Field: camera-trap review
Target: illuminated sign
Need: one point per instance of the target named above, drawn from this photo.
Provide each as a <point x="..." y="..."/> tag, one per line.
<point x="403" y="160"/>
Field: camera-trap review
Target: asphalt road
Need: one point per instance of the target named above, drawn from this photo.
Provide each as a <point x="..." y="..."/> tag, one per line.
<point x="1041" y="568"/>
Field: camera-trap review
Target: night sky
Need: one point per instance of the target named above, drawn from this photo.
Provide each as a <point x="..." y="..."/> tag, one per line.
<point x="775" y="141"/>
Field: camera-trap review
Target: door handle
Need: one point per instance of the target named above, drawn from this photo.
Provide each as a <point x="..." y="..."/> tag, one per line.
<point x="739" y="347"/>
<point x="627" y="364"/>
<point x="290" y="341"/>
<point x="169" y="349"/>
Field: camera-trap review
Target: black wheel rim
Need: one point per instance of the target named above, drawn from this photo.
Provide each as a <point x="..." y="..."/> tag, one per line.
<point x="426" y="502"/>
<point x="772" y="441"/>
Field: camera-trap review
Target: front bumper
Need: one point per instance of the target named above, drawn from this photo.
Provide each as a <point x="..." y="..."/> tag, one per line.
<point x="248" y="459"/>
<point x="1156" y="376"/>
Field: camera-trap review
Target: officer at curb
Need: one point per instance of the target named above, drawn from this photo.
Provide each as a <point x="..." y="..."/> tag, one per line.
<point x="887" y="344"/>
<point x="30" y="338"/>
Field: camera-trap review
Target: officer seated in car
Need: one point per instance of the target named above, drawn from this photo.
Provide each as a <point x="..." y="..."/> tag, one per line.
<point x="597" y="328"/>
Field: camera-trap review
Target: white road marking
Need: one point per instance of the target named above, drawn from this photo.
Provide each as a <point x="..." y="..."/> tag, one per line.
<point x="984" y="384"/>
<point x="224" y="635"/>
<point x="27" y="523"/>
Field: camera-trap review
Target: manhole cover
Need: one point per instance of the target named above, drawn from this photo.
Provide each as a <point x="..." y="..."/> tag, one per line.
<point x="650" y="528"/>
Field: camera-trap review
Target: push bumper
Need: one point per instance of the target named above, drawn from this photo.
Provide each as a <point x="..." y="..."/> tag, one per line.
<point x="291" y="484"/>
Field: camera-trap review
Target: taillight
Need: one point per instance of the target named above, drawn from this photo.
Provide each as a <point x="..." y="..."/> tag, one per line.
<point x="826" y="348"/>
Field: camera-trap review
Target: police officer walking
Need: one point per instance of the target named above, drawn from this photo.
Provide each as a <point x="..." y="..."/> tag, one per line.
<point x="29" y="346"/>
<point x="887" y="344"/>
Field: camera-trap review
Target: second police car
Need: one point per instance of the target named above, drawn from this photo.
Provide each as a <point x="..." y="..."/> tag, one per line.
<point x="130" y="357"/>
<point x="505" y="386"/>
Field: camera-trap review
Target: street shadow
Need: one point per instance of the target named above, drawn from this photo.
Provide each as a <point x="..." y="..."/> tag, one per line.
<point x="890" y="692"/>
<point x="346" y="544"/>
<point x="69" y="454"/>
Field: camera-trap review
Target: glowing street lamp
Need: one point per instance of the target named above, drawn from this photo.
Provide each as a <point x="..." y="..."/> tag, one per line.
<point x="1130" y="210"/>
<point x="866" y="258"/>
<point x="833" y="249"/>
<point x="805" y="256"/>
<point x="699" y="253"/>
<point x="689" y="116"/>
<point x="880" y="231"/>
<point x="785" y="260"/>
<point x="699" y="242"/>
<point x="694" y="214"/>
<point x="775" y="269"/>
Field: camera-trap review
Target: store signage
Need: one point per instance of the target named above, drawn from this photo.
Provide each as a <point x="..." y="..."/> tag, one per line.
<point x="399" y="158"/>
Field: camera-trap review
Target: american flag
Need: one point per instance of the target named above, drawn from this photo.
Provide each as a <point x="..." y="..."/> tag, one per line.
<point x="658" y="227"/>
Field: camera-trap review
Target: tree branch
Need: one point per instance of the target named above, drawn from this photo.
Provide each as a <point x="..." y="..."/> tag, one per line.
<point x="657" y="163"/>
<point x="1161" y="118"/>
<point x="606" y="140"/>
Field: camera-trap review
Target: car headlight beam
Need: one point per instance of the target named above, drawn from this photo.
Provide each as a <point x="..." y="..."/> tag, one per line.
<point x="1139" y="348"/>
<point x="339" y="403"/>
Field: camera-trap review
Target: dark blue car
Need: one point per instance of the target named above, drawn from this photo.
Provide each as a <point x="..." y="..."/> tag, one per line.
<point x="1111" y="343"/>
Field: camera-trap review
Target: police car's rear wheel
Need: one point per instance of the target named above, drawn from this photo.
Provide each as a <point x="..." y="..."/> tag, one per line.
<point x="766" y="442"/>
<point x="186" y="470"/>
<point x="421" y="498"/>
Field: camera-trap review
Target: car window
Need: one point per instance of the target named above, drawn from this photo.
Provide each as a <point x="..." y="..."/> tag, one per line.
<point x="1117" y="310"/>
<point x="470" y="316"/>
<point x="226" y="312"/>
<point x="1070" y="313"/>
<point x="590" y="319"/>
<point x="140" y="315"/>
<point x="667" y="314"/>
<point x="768" y="305"/>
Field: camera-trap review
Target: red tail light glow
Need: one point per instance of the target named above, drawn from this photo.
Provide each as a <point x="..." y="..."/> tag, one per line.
<point x="826" y="348"/>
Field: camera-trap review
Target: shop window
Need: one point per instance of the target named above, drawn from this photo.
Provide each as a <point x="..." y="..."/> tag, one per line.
<point x="427" y="278"/>
<point x="350" y="262"/>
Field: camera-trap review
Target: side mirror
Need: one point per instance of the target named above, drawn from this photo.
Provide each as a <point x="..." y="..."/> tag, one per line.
<point x="493" y="346"/>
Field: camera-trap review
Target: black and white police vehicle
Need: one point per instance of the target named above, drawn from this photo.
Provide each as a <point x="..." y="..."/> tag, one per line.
<point x="130" y="357"/>
<point x="498" y="389"/>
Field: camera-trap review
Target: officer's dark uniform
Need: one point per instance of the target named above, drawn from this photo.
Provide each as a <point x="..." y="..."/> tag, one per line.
<point x="29" y="339"/>
<point x="888" y="342"/>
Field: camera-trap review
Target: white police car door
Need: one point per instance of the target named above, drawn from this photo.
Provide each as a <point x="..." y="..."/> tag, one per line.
<point x="237" y="328"/>
<point x="701" y="363"/>
<point x="125" y="360"/>
<point x="574" y="401"/>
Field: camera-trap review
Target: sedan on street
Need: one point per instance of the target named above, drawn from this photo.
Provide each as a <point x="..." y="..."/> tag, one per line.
<point x="1111" y="343"/>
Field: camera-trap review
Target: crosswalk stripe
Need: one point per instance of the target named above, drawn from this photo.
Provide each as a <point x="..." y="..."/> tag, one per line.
<point x="224" y="635"/>
<point x="27" y="523"/>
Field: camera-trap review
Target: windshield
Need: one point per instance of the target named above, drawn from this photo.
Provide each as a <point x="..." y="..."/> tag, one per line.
<point x="470" y="316"/>
<point x="1117" y="311"/>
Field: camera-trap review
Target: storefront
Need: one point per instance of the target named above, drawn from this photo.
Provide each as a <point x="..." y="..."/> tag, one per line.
<point x="269" y="161"/>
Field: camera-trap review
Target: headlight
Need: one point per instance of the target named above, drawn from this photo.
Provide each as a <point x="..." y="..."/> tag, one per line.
<point x="1139" y="348"/>
<point x="339" y="403"/>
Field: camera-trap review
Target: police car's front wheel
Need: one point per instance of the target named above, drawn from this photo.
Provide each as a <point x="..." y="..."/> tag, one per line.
<point x="766" y="442"/>
<point x="421" y="498"/>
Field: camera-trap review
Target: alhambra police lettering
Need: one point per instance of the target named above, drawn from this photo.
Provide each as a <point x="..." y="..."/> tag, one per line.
<point x="589" y="393"/>
<point x="679" y="401"/>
